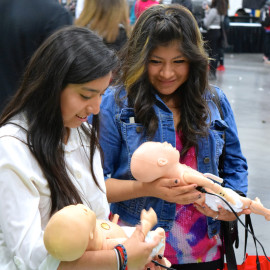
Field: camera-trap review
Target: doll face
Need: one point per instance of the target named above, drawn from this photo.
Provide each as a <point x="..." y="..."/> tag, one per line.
<point x="167" y="151"/>
<point x="153" y="160"/>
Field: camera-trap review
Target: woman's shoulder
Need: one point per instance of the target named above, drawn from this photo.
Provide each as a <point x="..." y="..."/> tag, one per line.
<point x="15" y="128"/>
<point x="112" y="94"/>
<point x="214" y="92"/>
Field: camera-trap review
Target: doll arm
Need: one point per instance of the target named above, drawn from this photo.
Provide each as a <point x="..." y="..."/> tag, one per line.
<point x="203" y="181"/>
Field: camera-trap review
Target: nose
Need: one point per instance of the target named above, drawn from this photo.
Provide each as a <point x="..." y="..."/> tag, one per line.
<point x="94" y="105"/>
<point x="167" y="71"/>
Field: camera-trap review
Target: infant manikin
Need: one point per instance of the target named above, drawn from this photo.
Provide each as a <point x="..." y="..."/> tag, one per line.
<point x="74" y="229"/>
<point x="154" y="160"/>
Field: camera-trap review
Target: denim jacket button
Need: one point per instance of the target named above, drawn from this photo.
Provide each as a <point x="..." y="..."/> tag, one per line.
<point x="138" y="129"/>
<point x="214" y="231"/>
<point x="206" y="160"/>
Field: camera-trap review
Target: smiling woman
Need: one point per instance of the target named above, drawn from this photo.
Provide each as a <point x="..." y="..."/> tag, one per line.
<point x="162" y="95"/>
<point x="50" y="155"/>
<point x="78" y="101"/>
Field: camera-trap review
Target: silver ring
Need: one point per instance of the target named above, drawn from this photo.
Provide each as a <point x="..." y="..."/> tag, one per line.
<point x="215" y="218"/>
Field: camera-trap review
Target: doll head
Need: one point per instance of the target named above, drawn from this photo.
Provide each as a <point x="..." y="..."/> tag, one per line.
<point x="68" y="231"/>
<point x="153" y="160"/>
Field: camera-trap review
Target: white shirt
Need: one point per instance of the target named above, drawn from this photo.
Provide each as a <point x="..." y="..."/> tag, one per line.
<point x="25" y="197"/>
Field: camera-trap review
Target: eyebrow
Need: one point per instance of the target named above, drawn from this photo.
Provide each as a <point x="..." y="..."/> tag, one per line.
<point x="179" y="56"/>
<point x="90" y="89"/>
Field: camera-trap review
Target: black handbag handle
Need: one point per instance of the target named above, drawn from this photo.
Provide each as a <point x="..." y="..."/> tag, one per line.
<point x="249" y="225"/>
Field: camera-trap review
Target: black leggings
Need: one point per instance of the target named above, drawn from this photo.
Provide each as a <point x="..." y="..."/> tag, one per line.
<point x="213" y="37"/>
<point x="214" y="265"/>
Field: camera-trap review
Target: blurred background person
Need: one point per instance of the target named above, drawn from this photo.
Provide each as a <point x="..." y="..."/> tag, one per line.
<point x="25" y="25"/>
<point x="221" y="49"/>
<point x="108" y="18"/>
<point x="265" y="21"/>
<point x="185" y="3"/>
<point x="142" y="5"/>
<point x="214" y="16"/>
<point x="79" y="8"/>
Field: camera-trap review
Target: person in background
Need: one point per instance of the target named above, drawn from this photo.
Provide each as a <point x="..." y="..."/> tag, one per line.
<point x="79" y="8"/>
<point x="221" y="49"/>
<point x="265" y="21"/>
<point x="132" y="16"/>
<point x="142" y="5"/>
<point x="214" y="16"/>
<point x="109" y="19"/>
<point x="50" y="155"/>
<point x="162" y="94"/>
<point x="185" y="3"/>
<point x="25" y="24"/>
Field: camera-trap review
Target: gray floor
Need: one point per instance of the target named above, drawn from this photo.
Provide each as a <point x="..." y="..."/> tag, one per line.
<point x="246" y="82"/>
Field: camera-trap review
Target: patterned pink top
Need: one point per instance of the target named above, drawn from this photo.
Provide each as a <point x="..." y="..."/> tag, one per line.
<point x="188" y="241"/>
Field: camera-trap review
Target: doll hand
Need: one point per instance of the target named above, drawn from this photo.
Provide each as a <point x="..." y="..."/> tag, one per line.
<point x="141" y="255"/>
<point x="170" y="190"/>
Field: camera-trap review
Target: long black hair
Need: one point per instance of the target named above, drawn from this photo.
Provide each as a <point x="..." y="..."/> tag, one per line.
<point x="161" y="25"/>
<point x="71" y="55"/>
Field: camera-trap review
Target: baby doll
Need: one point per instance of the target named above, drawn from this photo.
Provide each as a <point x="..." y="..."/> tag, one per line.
<point x="74" y="229"/>
<point x="153" y="160"/>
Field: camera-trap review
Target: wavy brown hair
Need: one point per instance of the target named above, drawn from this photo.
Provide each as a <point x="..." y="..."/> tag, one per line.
<point x="161" y="25"/>
<point x="104" y="17"/>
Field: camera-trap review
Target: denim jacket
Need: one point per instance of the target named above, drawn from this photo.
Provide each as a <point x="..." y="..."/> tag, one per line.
<point x="120" y="135"/>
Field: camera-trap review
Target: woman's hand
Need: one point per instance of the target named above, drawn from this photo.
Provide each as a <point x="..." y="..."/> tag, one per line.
<point x="161" y="260"/>
<point x="139" y="251"/>
<point x="221" y="214"/>
<point x="170" y="190"/>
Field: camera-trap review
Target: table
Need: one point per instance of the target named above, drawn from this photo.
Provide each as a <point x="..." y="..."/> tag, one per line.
<point x="245" y="37"/>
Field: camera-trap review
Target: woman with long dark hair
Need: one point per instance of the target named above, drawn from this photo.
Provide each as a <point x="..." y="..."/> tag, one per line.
<point x="50" y="155"/>
<point x="162" y="94"/>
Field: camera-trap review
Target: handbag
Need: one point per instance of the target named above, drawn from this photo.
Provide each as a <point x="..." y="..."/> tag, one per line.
<point x="229" y="230"/>
<point x="251" y="262"/>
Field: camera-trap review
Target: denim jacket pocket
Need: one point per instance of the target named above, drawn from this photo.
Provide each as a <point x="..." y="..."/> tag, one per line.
<point x="132" y="132"/>
<point x="218" y="129"/>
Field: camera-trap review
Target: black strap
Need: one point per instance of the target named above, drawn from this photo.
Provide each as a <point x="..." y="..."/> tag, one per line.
<point x="228" y="245"/>
<point x="248" y="224"/>
<point x="222" y="156"/>
<point x="228" y="229"/>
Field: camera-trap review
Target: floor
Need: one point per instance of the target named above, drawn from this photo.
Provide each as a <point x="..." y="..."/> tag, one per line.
<point x="246" y="82"/>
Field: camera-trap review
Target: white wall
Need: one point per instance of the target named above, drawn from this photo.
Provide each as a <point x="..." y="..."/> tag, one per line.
<point x="234" y="5"/>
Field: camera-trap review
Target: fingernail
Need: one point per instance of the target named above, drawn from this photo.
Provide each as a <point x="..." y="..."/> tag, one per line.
<point x="160" y="256"/>
<point x="176" y="181"/>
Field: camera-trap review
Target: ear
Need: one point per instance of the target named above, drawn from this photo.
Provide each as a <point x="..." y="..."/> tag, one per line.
<point x="162" y="162"/>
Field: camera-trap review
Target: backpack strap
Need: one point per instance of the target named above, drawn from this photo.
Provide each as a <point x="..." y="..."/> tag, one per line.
<point x="228" y="229"/>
